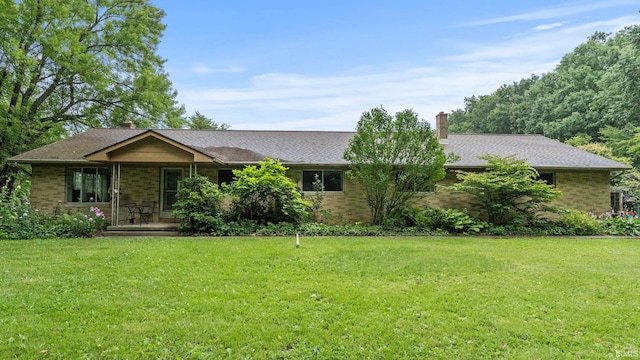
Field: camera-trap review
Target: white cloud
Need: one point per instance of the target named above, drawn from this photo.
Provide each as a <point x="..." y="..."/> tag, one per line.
<point x="549" y="26"/>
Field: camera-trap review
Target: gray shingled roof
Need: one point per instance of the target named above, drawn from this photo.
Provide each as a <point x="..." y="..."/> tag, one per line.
<point x="320" y="147"/>
<point x="539" y="151"/>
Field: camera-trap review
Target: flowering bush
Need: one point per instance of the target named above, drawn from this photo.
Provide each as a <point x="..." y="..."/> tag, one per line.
<point x="79" y="224"/>
<point x="18" y="220"/>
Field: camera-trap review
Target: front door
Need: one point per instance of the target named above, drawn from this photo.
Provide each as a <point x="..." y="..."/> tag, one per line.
<point x="171" y="179"/>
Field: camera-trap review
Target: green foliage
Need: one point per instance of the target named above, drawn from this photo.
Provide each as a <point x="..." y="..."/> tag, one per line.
<point x="509" y="190"/>
<point x="199" y="205"/>
<point x="452" y="221"/>
<point x="201" y="122"/>
<point x="265" y="194"/>
<point x="236" y="227"/>
<point x="75" y="64"/>
<point x="595" y="86"/>
<point x="394" y="157"/>
<point x="18" y="220"/>
<point x="621" y="226"/>
<point x="580" y="223"/>
<point x="79" y="224"/>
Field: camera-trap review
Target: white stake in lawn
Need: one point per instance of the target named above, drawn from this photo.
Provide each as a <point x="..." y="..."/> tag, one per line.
<point x="297" y="240"/>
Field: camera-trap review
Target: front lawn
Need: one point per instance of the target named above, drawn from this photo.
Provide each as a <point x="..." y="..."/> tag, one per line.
<point x="209" y="298"/>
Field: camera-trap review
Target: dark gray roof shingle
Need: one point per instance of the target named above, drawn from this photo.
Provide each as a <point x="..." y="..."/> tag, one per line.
<point x="321" y="147"/>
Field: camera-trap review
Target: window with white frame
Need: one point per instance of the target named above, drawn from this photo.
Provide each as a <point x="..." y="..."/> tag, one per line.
<point x="331" y="180"/>
<point x="88" y="184"/>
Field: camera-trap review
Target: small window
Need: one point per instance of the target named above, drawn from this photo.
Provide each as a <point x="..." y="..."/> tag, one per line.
<point x="225" y="176"/>
<point x="88" y="185"/>
<point x="331" y="179"/>
<point x="549" y="178"/>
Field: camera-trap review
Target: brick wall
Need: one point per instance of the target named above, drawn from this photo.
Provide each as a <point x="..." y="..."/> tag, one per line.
<point x="48" y="188"/>
<point x="585" y="190"/>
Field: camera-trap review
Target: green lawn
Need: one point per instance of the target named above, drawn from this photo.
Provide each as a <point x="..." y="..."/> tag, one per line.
<point x="379" y="298"/>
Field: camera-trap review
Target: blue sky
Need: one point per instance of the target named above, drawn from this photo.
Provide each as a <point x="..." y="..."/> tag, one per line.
<point x="317" y="65"/>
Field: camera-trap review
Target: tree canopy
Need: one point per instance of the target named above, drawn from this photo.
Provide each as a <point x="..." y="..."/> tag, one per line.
<point x="394" y="157"/>
<point x="77" y="64"/>
<point x="595" y="86"/>
<point x="201" y="122"/>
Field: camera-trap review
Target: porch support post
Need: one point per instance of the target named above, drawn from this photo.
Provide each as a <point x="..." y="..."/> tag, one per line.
<point x="115" y="194"/>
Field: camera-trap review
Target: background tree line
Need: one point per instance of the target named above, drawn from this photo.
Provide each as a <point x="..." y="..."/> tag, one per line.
<point x="591" y="100"/>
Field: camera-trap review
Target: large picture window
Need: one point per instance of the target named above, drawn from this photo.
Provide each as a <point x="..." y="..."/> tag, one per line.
<point x="88" y="184"/>
<point x="331" y="179"/>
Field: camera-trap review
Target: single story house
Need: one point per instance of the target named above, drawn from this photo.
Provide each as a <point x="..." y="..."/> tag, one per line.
<point x="108" y="168"/>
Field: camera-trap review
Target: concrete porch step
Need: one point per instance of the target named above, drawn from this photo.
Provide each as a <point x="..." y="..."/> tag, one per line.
<point x="151" y="229"/>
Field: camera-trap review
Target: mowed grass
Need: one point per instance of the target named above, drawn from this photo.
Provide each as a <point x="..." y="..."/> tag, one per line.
<point x="378" y="298"/>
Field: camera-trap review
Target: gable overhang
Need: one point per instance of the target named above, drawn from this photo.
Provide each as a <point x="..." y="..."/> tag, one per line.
<point x="149" y="147"/>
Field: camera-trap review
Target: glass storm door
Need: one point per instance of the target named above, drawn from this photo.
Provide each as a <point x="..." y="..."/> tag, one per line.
<point x="171" y="179"/>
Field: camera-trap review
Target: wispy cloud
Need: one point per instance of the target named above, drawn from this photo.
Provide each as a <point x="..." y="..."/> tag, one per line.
<point x="554" y="12"/>
<point x="204" y="69"/>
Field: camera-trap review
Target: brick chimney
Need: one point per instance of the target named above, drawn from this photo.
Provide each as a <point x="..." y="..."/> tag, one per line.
<point x="128" y="124"/>
<point x="442" y="127"/>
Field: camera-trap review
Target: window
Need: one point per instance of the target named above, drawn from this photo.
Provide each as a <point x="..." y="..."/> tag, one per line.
<point x="225" y="176"/>
<point x="88" y="184"/>
<point x="418" y="184"/>
<point x="549" y="178"/>
<point x="331" y="179"/>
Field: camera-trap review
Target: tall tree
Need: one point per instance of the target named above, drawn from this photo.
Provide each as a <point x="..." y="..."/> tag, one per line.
<point x="79" y="63"/>
<point x="394" y="157"/>
<point x="201" y="122"/>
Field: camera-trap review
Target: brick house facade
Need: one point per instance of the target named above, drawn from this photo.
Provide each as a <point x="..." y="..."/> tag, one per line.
<point x="83" y="171"/>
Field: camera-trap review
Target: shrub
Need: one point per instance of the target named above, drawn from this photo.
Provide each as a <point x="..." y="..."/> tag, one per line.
<point x="80" y="225"/>
<point x="265" y="194"/>
<point x="620" y="226"/>
<point x="18" y="220"/>
<point x="199" y="205"/>
<point x="580" y="223"/>
<point x="236" y="227"/>
<point x="509" y="190"/>
<point x="449" y="220"/>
